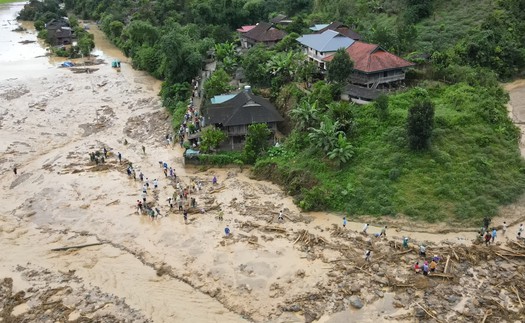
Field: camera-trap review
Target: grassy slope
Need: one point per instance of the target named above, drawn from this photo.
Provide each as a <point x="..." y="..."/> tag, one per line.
<point x="474" y="164"/>
<point x="452" y="20"/>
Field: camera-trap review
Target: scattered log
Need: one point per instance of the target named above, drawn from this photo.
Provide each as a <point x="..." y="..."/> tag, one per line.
<point x="515" y="290"/>
<point x="272" y="228"/>
<point x="78" y="247"/>
<point x="455" y="255"/>
<point x="441" y="275"/>
<point x="113" y="203"/>
<point x="487" y="314"/>
<point x="446" y="265"/>
<point x="426" y="311"/>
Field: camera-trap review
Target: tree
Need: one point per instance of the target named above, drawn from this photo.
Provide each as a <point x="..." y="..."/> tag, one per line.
<point x="211" y="139"/>
<point x="86" y="44"/>
<point x="326" y="136"/>
<point x="342" y="152"/>
<point x="340" y="68"/>
<point x="224" y="50"/>
<point x="254" y="65"/>
<point x="341" y="112"/>
<point x="256" y="141"/>
<point x="420" y="122"/>
<point x="305" y="115"/>
<point x="381" y="104"/>
<point x="218" y="83"/>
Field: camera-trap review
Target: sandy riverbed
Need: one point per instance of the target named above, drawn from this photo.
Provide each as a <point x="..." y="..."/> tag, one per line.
<point x="163" y="270"/>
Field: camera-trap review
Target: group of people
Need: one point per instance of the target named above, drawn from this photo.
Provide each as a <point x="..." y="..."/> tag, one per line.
<point x="427" y="267"/>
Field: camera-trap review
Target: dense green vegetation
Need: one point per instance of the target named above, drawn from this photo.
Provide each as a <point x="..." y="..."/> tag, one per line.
<point x="472" y="166"/>
<point x="444" y="149"/>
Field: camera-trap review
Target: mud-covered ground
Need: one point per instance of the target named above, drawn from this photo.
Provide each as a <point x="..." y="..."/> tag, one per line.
<point x="306" y="268"/>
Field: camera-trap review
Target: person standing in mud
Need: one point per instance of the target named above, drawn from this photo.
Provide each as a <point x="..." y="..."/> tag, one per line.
<point x="144" y="197"/>
<point x="365" y="228"/>
<point x="425" y="268"/>
<point x="504" y="228"/>
<point x="185" y="216"/>
<point x="368" y="254"/>
<point x="119" y="156"/>
<point x="105" y="152"/>
<point x="344" y="222"/>
<point x="280" y="218"/>
<point x="155" y="183"/>
<point x="214" y="180"/>
<point x="488" y="236"/>
<point x="494" y="233"/>
<point x="486" y="222"/>
<point x="15" y="170"/>
<point x="227" y="231"/>
<point x="383" y="232"/>
<point x="405" y="242"/>
<point x="139" y="206"/>
<point x="143" y="149"/>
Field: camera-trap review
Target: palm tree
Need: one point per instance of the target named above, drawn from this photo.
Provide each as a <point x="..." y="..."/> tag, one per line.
<point x="305" y="115"/>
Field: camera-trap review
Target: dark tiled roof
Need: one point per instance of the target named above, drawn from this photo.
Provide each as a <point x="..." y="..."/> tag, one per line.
<point x="279" y="18"/>
<point x="370" y="58"/>
<point x="264" y="32"/>
<point x="342" y="29"/>
<point x="243" y="109"/>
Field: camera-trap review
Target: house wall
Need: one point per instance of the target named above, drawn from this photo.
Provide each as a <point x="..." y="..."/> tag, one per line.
<point x="237" y="135"/>
<point x="369" y="80"/>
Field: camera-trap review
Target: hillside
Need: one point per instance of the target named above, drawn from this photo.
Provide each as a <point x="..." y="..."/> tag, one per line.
<point x="473" y="164"/>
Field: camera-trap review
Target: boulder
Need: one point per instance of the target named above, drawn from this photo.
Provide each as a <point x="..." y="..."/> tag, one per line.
<point x="355" y="301"/>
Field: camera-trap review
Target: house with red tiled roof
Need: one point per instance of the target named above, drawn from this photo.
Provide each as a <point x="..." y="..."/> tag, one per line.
<point x="374" y="66"/>
<point x="262" y="33"/>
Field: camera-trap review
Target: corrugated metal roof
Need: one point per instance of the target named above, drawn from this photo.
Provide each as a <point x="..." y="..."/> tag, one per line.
<point x="328" y="41"/>
<point x="222" y="98"/>
<point x="319" y="27"/>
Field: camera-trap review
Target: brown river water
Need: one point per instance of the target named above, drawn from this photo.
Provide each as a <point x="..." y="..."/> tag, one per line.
<point x="51" y="118"/>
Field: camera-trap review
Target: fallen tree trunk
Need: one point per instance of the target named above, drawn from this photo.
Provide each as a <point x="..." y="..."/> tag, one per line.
<point x="78" y="247"/>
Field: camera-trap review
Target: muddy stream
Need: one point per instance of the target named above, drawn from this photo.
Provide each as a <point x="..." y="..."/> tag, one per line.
<point x="163" y="270"/>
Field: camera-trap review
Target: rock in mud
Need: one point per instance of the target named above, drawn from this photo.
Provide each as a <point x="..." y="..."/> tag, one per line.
<point x="356" y="302"/>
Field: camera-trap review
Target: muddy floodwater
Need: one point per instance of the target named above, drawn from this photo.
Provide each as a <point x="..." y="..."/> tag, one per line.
<point x="166" y="269"/>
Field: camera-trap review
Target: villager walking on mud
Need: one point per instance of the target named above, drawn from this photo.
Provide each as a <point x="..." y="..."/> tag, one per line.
<point x="368" y="253"/>
<point x="365" y="228"/>
<point x="344" y="222"/>
<point x="280" y="217"/>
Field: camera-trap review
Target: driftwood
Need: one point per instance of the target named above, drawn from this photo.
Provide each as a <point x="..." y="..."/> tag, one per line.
<point x="441" y="275"/>
<point x="426" y="311"/>
<point x="487" y="314"/>
<point x="446" y="265"/>
<point x="515" y="290"/>
<point x="272" y="228"/>
<point x="78" y="247"/>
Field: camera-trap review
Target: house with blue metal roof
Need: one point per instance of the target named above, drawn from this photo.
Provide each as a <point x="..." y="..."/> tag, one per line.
<point x="319" y="46"/>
